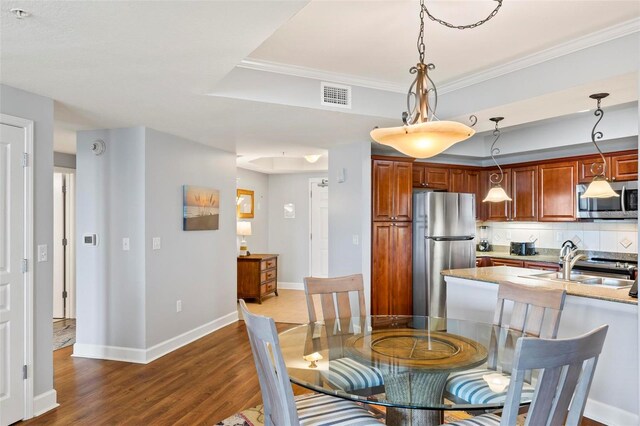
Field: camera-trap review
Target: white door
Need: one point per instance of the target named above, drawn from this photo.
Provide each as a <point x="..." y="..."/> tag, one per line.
<point x="58" y="246"/>
<point x="12" y="278"/>
<point x="319" y="255"/>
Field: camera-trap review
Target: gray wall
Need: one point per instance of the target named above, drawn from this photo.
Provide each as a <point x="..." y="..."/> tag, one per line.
<point x="258" y="242"/>
<point x="39" y="109"/>
<point x="110" y="202"/>
<point x="61" y="159"/>
<point x="197" y="267"/>
<point x="289" y="238"/>
<point x="350" y="212"/>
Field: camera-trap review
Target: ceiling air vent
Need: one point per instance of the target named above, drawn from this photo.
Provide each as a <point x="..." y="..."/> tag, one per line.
<point x="335" y="95"/>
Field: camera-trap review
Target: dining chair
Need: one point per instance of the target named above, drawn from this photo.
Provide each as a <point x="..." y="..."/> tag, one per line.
<point x="536" y="312"/>
<point x="334" y="293"/>
<point x="280" y="407"/>
<point x="566" y="370"/>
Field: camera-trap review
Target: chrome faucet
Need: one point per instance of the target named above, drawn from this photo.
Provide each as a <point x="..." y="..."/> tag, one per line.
<point x="569" y="260"/>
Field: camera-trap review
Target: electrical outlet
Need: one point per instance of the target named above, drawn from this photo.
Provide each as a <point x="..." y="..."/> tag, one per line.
<point x="178" y="305"/>
<point x="355" y="239"/>
<point x="42" y="253"/>
<point x="508" y="235"/>
<point x="125" y="244"/>
<point x="156" y="243"/>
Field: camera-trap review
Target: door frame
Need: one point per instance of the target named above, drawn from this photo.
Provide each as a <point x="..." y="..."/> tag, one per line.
<point x="70" y="264"/>
<point x="28" y="127"/>
<point x="312" y="181"/>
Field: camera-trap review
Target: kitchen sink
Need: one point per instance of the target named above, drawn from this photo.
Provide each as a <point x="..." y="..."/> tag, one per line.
<point x="584" y="279"/>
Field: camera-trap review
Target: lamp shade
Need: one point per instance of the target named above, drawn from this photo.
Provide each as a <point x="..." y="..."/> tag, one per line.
<point x="244" y="228"/>
<point x="312" y="158"/>
<point x="599" y="188"/>
<point x="423" y="140"/>
<point x="496" y="195"/>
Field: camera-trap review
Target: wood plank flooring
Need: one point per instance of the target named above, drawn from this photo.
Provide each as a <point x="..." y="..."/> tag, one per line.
<point x="199" y="384"/>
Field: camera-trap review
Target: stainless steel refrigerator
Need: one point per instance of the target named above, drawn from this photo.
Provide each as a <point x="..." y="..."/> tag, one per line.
<point x="444" y="228"/>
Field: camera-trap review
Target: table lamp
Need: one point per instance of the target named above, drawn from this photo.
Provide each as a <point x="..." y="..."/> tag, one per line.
<point x="244" y="229"/>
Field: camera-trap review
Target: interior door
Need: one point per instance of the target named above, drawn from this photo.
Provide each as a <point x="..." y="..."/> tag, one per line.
<point x="320" y="229"/>
<point x="58" y="247"/>
<point x="12" y="278"/>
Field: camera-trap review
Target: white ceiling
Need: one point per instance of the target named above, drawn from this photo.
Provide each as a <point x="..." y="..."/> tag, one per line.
<point x="117" y="64"/>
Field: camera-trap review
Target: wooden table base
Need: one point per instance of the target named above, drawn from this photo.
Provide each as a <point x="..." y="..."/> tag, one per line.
<point x="420" y="388"/>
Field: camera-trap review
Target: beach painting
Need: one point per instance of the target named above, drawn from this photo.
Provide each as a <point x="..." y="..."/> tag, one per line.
<point x="201" y="207"/>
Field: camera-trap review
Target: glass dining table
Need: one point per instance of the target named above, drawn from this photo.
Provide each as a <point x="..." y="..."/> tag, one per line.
<point x="413" y="357"/>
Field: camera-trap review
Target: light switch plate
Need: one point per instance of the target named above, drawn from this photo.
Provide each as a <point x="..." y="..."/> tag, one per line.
<point x="125" y="244"/>
<point x="156" y="243"/>
<point x="42" y="253"/>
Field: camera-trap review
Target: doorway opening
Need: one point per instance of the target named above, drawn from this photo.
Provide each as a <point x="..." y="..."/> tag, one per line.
<point x="319" y="227"/>
<point x="64" y="283"/>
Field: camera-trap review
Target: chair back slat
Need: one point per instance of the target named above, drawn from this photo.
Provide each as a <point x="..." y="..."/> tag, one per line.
<point x="567" y="367"/>
<point x="334" y="292"/>
<point x="277" y="395"/>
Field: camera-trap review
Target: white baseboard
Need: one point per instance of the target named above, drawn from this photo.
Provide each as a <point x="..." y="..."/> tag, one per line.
<point x="605" y="413"/>
<point x="45" y="402"/>
<point x="145" y="356"/>
<point x="290" y="286"/>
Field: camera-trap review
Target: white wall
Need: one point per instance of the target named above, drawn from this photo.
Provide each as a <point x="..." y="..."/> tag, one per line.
<point x="110" y="202"/>
<point x="350" y="211"/>
<point x="39" y="109"/>
<point x="196" y="267"/>
<point x="258" y="241"/>
<point x="289" y="238"/>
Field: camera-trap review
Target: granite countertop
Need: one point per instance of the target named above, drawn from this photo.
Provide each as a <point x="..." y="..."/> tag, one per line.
<point x="543" y="257"/>
<point x="496" y="274"/>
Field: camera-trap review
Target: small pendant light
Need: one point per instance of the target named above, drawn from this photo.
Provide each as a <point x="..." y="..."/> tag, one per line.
<point x="496" y="194"/>
<point x="599" y="186"/>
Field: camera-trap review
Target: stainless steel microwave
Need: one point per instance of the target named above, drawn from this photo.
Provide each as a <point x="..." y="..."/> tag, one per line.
<point x="623" y="207"/>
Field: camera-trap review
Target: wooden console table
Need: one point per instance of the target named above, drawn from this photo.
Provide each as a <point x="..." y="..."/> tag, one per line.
<point x="257" y="276"/>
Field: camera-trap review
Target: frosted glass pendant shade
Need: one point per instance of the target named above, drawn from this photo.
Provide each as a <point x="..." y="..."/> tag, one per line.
<point x="496" y="195"/>
<point x="599" y="188"/>
<point x="423" y="140"/>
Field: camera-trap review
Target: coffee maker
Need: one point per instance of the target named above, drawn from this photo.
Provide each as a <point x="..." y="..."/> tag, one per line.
<point x="483" y="244"/>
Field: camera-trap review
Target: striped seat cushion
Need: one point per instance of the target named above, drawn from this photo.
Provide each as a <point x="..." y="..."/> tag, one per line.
<point x="471" y="387"/>
<point x="483" y="420"/>
<point x="347" y="374"/>
<point x="325" y="410"/>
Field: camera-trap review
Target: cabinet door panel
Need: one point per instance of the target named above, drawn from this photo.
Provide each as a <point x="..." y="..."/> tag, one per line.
<point x="457" y="181"/>
<point x="524" y="193"/>
<point x="402" y="285"/>
<point x="418" y="176"/>
<point x="383" y="185"/>
<point x="556" y="189"/>
<point x="499" y="211"/>
<point x="624" y="167"/>
<point x="472" y="183"/>
<point x="585" y="174"/>
<point x="382" y="267"/>
<point x="402" y="191"/>
<point x="506" y="262"/>
<point x="437" y="178"/>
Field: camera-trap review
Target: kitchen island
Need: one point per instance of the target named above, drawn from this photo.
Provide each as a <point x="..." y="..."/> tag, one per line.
<point x="613" y="400"/>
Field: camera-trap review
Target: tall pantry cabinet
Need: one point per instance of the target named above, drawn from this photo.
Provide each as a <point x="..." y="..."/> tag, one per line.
<point x="391" y="249"/>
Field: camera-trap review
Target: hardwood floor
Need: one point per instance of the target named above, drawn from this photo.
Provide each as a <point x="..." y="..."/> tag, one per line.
<point x="199" y="384"/>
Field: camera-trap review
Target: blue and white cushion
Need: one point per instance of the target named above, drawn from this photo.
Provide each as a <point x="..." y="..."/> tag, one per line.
<point x="483" y="420"/>
<point x="348" y="375"/>
<point x="471" y="387"/>
<point x="325" y="410"/>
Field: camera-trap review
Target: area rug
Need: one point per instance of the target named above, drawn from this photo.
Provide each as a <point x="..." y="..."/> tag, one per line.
<point x="64" y="333"/>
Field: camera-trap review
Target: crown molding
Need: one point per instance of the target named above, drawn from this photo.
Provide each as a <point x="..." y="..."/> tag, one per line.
<point x="593" y="39"/>
<point x="589" y="40"/>
<point x="304" y="72"/>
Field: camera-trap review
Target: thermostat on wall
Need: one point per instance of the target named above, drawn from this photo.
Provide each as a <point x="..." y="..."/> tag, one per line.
<point x="90" y="239"/>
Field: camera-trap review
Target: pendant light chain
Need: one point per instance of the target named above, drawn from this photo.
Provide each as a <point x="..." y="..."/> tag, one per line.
<point x="461" y="27"/>
<point x="598" y="135"/>
<point x="421" y="47"/>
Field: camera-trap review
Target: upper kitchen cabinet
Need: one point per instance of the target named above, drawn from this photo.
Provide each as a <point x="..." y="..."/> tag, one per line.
<point x="498" y="211"/>
<point x="586" y="168"/>
<point x="557" y="191"/>
<point x="524" y="206"/>
<point x="430" y="177"/>
<point x="624" y="167"/>
<point x="392" y="188"/>
<point x="467" y="181"/>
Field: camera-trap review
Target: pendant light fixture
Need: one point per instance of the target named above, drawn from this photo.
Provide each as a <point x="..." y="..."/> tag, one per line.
<point x="496" y="194"/>
<point x="599" y="186"/>
<point x="423" y="135"/>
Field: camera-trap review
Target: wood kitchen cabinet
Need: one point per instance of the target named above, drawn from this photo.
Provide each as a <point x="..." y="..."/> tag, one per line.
<point x="624" y="167"/>
<point x="392" y="190"/>
<point x="557" y="191"/>
<point x="430" y="177"/>
<point x="391" y="278"/>
<point x="585" y="174"/>
<point x="467" y="181"/>
<point x="498" y="211"/>
<point x="524" y="192"/>
<point x="495" y="261"/>
<point x="257" y="276"/>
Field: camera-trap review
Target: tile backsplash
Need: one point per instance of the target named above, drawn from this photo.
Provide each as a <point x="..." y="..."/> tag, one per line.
<point x="619" y="237"/>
